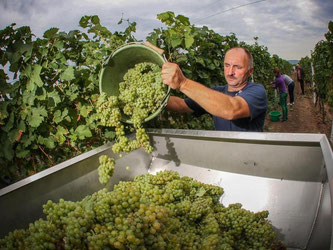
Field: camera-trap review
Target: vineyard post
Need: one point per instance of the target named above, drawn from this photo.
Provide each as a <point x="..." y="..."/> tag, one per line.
<point x="313" y="83"/>
<point x="331" y="137"/>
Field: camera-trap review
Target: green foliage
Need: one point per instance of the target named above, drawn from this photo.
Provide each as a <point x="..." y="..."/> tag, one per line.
<point x="46" y="106"/>
<point x="284" y="66"/>
<point x="322" y="60"/>
<point x="49" y="85"/>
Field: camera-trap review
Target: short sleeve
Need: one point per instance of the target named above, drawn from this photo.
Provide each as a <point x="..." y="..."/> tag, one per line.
<point x="255" y="96"/>
<point x="198" y="110"/>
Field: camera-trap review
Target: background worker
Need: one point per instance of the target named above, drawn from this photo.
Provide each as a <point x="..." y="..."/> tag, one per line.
<point x="238" y="106"/>
<point x="291" y="86"/>
<point x="300" y="77"/>
<point x="281" y="86"/>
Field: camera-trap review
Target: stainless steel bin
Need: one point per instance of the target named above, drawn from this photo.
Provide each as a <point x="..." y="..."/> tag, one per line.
<point x="291" y="175"/>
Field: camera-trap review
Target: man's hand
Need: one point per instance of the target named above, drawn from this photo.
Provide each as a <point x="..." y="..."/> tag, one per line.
<point x="172" y="75"/>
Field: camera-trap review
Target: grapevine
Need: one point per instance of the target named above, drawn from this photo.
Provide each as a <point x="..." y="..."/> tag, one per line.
<point x="48" y="97"/>
<point x="322" y="62"/>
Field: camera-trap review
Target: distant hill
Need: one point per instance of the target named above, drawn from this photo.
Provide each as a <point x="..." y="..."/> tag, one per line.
<point x="293" y="61"/>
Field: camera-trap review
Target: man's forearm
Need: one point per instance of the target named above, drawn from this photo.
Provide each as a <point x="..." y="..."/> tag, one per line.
<point x="214" y="102"/>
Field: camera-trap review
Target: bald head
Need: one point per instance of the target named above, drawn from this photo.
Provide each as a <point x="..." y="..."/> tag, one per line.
<point x="238" y="66"/>
<point x="248" y="55"/>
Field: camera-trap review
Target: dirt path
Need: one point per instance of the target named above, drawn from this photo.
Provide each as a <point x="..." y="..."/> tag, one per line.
<point x="303" y="117"/>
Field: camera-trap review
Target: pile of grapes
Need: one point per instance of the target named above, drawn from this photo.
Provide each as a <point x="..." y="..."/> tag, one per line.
<point x="162" y="211"/>
<point x="140" y="95"/>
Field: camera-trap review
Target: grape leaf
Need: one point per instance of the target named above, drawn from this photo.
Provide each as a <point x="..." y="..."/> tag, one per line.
<point x="35" y="75"/>
<point x="68" y="74"/>
<point x="85" y="110"/>
<point x="26" y="140"/>
<point x="110" y="134"/>
<point x="22" y="153"/>
<point x="49" y="142"/>
<point x="189" y="40"/>
<point x="72" y="92"/>
<point x="55" y="97"/>
<point x="59" y="116"/>
<point x="59" y="45"/>
<point x="95" y="20"/>
<point x="83" y="132"/>
<point x="13" y="135"/>
<point x="37" y="116"/>
<point x="29" y="97"/>
<point x="60" y="135"/>
<point x="10" y="123"/>
<point x="50" y="33"/>
<point x="183" y="19"/>
<point x="84" y="21"/>
<point x="3" y="110"/>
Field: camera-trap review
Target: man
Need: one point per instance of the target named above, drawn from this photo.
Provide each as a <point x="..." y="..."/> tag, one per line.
<point x="300" y="76"/>
<point x="238" y="106"/>
<point x="280" y="84"/>
<point x="291" y="86"/>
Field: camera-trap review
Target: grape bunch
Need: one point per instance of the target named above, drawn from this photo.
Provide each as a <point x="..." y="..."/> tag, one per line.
<point x="162" y="211"/>
<point x="140" y="94"/>
<point x="105" y="169"/>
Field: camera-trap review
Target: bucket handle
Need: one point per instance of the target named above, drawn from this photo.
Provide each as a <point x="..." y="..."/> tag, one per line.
<point x="146" y="43"/>
<point x="157" y="49"/>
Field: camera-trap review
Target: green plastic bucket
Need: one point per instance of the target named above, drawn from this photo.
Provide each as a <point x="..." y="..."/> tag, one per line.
<point x="120" y="61"/>
<point x="275" y="116"/>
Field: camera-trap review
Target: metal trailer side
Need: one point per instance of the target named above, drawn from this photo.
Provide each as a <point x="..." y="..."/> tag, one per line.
<point x="288" y="174"/>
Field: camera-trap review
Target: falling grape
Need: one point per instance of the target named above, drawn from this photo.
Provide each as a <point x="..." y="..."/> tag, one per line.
<point x="105" y="169"/>
<point x="140" y="95"/>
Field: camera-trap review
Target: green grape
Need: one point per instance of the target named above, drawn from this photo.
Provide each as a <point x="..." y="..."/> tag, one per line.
<point x="140" y="95"/>
<point x="105" y="169"/>
<point x="162" y="211"/>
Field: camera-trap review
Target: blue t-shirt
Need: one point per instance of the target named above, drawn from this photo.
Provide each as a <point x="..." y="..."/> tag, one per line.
<point x="255" y="96"/>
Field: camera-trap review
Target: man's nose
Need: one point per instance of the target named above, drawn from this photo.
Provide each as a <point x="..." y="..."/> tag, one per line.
<point x="231" y="71"/>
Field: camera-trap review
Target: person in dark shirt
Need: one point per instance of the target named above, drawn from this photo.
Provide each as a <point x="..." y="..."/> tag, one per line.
<point x="238" y="106"/>
<point x="300" y="77"/>
<point x="281" y="86"/>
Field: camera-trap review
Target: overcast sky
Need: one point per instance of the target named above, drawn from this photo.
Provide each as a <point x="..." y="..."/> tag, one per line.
<point x="289" y="28"/>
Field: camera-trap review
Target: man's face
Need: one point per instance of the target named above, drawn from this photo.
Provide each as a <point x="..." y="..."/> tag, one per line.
<point x="236" y="67"/>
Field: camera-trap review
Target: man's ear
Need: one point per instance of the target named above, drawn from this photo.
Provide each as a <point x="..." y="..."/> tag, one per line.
<point x="250" y="72"/>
